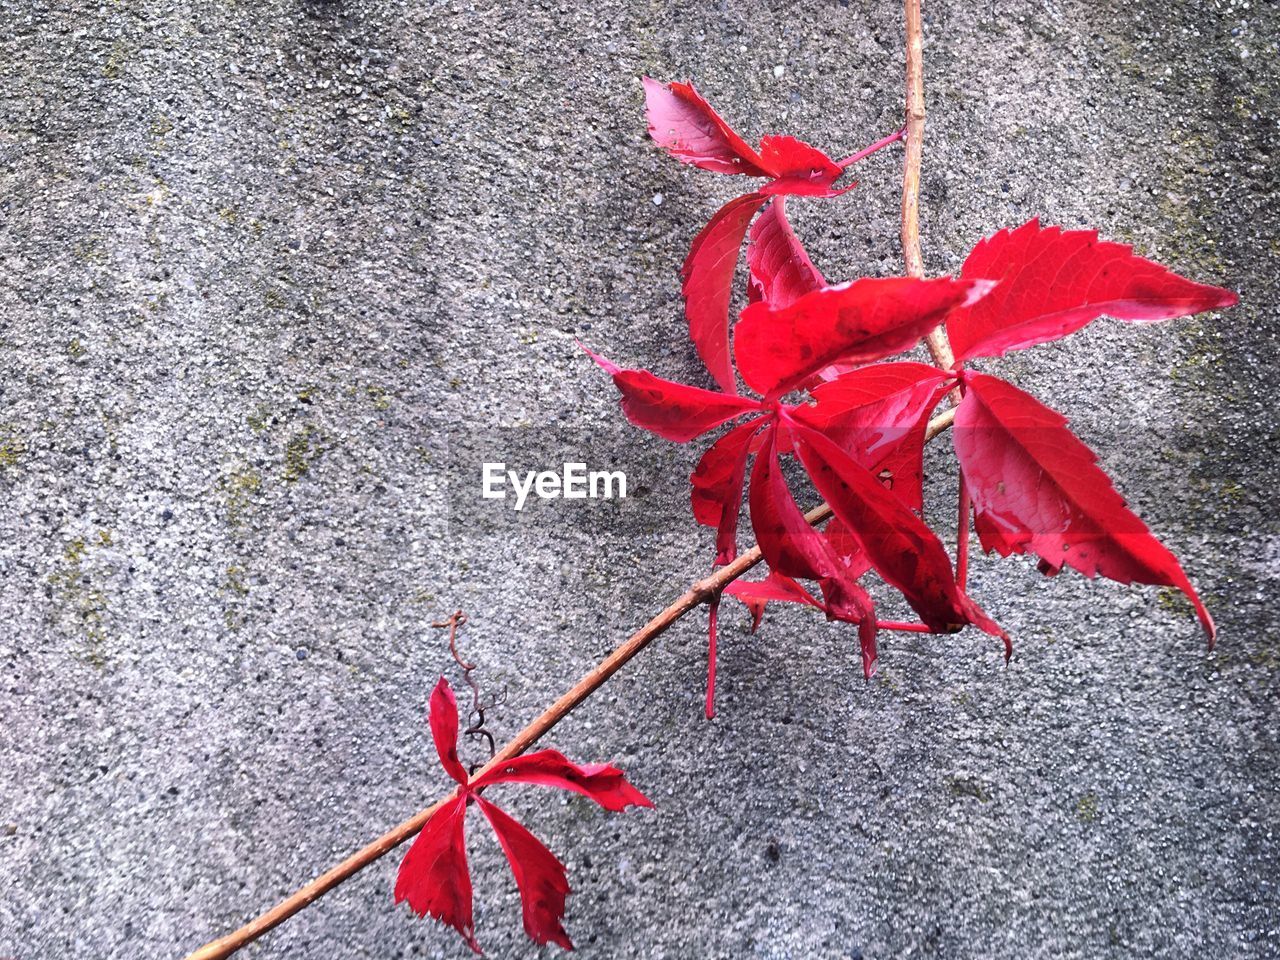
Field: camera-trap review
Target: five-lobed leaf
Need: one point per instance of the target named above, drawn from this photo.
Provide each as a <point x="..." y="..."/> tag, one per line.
<point x="434" y="878"/>
<point x="1036" y="487"/>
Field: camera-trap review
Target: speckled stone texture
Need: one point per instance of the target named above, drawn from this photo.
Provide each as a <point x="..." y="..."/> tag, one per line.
<point x="271" y="272"/>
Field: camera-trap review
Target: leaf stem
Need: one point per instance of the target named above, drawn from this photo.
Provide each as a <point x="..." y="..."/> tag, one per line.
<point x="862" y="154"/>
<point x="713" y="618"/>
<point x="904" y="626"/>
<point x="962" y="536"/>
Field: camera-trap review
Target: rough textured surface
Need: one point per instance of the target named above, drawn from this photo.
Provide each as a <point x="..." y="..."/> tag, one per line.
<point x="261" y="264"/>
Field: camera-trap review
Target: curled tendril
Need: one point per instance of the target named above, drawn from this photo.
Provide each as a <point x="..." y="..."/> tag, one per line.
<point x="477" y="729"/>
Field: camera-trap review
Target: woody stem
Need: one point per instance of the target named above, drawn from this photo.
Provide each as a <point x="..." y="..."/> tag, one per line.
<point x="939" y="346"/>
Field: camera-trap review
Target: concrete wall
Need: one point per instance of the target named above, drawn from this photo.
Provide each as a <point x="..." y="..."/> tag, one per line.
<point x="270" y="273"/>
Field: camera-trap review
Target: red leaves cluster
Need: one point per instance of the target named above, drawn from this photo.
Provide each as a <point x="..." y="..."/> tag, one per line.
<point x="682" y="122"/>
<point x="434" y="877"/>
<point x="858" y="428"/>
<point x="812" y="353"/>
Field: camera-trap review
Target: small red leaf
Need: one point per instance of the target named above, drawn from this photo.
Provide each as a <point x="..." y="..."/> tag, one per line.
<point x="797" y="163"/>
<point x="540" y="877"/>
<point x="790" y="545"/>
<point x="672" y="410"/>
<point x="683" y="124"/>
<point x="856" y="322"/>
<point x="708" y="284"/>
<point x="443" y="719"/>
<point x="717" y="486"/>
<point x="904" y="551"/>
<point x="1037" y="488"/>
<point x="605" y="784"/>
<point x="781" y="271"/>
<point x="433" y="875"/>
<point x="757" y="593"/>
<point x="1052" y="282"/>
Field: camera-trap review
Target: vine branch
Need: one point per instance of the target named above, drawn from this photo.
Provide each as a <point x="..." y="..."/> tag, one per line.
<point x="939" y="346"/>
<point x="697" y="594"/>
<point x="703" y="591"/>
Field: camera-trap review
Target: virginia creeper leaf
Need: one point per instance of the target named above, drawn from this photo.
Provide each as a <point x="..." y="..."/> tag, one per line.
<point x="790" y="545"/>
<point x="708" y="284"/>
<point x="843" y="599"/>
<point x="855" y="322"/>
<point x="540" y="877"/>
<point x="717" y="487"/>
<point x="683" y="124"/>
<point x="1036" y="487"/>
<point x="755" y="594"/>
<point x="780" y="269"/>
<point x="672" y="410"/>
<point x="1052" y="282"/>
<point x="442" y="717"/>
<point x="433" y="875"/>
<point x="605" y="784"/>
<point x="902" y="549"/>
<point x="879" y="414"/>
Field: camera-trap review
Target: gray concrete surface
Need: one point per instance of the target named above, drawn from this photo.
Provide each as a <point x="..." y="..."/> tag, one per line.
<point x="269" y="270"/>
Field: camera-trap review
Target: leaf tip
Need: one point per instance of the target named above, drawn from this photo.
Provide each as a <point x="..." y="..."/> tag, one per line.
<point x="605" y="364"/>
<point x="977" y="290"/>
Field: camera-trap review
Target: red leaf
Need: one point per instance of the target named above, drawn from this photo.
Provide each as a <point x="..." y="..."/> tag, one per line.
<point x="789" y="544"/>
<point x="540" y="877"/>
<point x="1053" y="282"/>
<point x="846" y="548"/>
<point x="433" y="875"/>
<point x="781" y="271"/>
<point x="757" y="593"/>
<point x="443" y="719"/>
<point x="846" y="600"/>
<point x="717" y="486"/>
<point x="1036" y="487"/>
<point x="902" y="549"/>
<point x="683" y="124"/>
<point x="879" y="414"/>
<point x="797" y="167"/>
<point x="708" y="284"/>
<point x="856" y="322"/>
<point x="605" y="784"/>
<point x="672" y="410"/>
